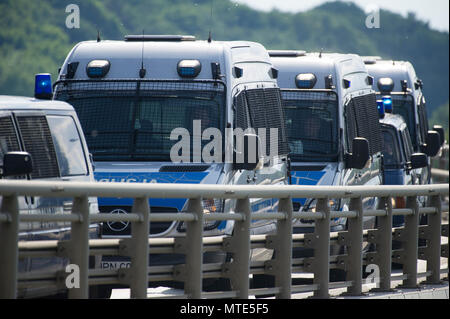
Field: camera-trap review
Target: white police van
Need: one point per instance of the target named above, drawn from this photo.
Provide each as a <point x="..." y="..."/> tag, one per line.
<point x="136" y="97"/>
<point x="332" y="125"/>
<point x="396" y="82"/>
<point x="333" y="132"/>
<point x="42" y="139"/>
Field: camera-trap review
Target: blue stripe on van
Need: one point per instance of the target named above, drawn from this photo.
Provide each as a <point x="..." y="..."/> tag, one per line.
<point x="156" y="177"/>
<point x="305" y="178"/>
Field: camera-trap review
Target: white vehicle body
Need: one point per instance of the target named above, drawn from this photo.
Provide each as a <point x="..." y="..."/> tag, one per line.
<point x="51" y="133"/>
<point x="226" y="76"/>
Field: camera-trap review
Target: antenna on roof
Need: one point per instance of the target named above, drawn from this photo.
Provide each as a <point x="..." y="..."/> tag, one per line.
<point x="320" y="54"/>
<point x="142" y="71"/>
<point x="210" y="22"/>
<point x="98" y="36"/>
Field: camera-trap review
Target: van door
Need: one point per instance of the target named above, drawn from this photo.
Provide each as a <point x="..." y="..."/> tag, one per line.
<point x="9" y="142"/>
<point x="425" y="172"/>
<point x="261" y="110"/>
<point x="362" y="120"/>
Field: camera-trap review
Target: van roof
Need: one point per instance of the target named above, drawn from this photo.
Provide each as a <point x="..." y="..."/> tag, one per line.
<point x="396" y="70"/>
<point x="340" y="66"/>
<point x="160" y="58"/>
<point x="8" y="102"/>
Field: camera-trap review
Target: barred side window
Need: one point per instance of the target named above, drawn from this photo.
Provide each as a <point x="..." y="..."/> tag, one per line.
<point x="241" y="115"/>
<point x="265" y="110"/>
<point x="38" y="142"/>
<point x="423" y="120"/>
<point x="350" y="124"/>
<point x="8" y="137"/>
<point x="365" y="115"/>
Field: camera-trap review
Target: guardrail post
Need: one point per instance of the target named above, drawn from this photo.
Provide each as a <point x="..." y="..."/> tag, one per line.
<point x="9" y="234"/>
<point x="444" y="248"/>
<point x="434" y="242"/>
<point x="194" y="250"/>
<point x="79" y="247"/>
<point x="384" y="244"/>
<point x="239" y="245"/>
<point x="138" y="272"/>
<point x="410" y="243"/>
<point x="355" y="257"/>
<point x="322" y="250"/>
<point x="282" y="244"/>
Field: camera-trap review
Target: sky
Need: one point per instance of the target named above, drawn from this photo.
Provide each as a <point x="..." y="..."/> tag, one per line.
<point x="436" y="12"/>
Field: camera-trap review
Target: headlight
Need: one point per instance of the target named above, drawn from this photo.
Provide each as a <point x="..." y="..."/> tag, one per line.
<point x="310" y="205"/>
<point x="398" y="202"/>
<point x="209" y="206"/>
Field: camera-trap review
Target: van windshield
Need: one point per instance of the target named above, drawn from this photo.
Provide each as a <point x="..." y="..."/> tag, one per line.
<point x="67" y="141"/>
<point x="136" y="125"/>
<point x="391" y="150"/>
<point x="404" y="105"/>
<point x="311" y="124"/>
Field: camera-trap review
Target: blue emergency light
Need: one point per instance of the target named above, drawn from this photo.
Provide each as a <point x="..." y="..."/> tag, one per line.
<point x="189" y="68"/>
<point x="387" y="103"/>
<point x="43" y="86"/>
<point x="305" y="80"/>
<point x="98" y="68"/>
<point x="380" y="106"/>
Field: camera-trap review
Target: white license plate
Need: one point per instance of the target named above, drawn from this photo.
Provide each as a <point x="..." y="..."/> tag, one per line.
<point x="115" y="264"/>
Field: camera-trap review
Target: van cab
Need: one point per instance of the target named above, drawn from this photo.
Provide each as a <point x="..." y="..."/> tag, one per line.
<point x="332" y="124"/>
<point x="400" y="164"/>
<point x="398" y="81"/>
<point x="173" y="109"/>
<point x="399" y="161"/>
<point x="43" y="140"/>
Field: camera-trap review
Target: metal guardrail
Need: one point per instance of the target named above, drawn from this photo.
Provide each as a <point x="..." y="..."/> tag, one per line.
<point x="193" y="245"/>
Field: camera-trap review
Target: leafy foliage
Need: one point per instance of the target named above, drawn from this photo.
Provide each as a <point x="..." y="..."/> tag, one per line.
<point x="34" y="38"/>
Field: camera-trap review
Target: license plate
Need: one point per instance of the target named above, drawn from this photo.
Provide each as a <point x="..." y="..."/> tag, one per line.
<point x="115" y="264"/>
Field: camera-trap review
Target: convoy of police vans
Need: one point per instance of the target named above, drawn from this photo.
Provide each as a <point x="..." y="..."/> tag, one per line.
<point x="177" y="110"/>
<point x="332" y="125"/>
<point x="173" y="109"/>
<point x="397" y="80"/>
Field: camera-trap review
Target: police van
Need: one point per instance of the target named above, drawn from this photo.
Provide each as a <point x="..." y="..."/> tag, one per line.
<point x="332" y="126"/>
<point x="173" y="109"/>
<point x="400" y="163"/>
<point x="396" y="82"/>
<point x="43" y="140"/>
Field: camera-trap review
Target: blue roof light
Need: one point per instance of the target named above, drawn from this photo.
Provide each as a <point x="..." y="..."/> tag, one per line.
<point x="347" y="83"/>
<point x="387" y="103"/>
<point x="189" y="68"/>
<point x="98" y="68"/>
<point x="380" y="106"/>
<point x="305" y="80"/>
<point x="187" y="71"/>
<point x="43" y="86"/>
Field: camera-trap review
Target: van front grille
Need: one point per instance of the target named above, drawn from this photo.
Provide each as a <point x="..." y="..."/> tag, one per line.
<point x="124" y="228"/>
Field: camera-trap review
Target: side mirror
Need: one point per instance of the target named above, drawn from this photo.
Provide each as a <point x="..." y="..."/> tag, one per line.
<point x="17" y="164"/>
<point x="441" y="131"/>
<point x="360" y="155"/>
<point x="433" y="143"/>
<point x="247" y="154"/>
<point x="419" y="160"/>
